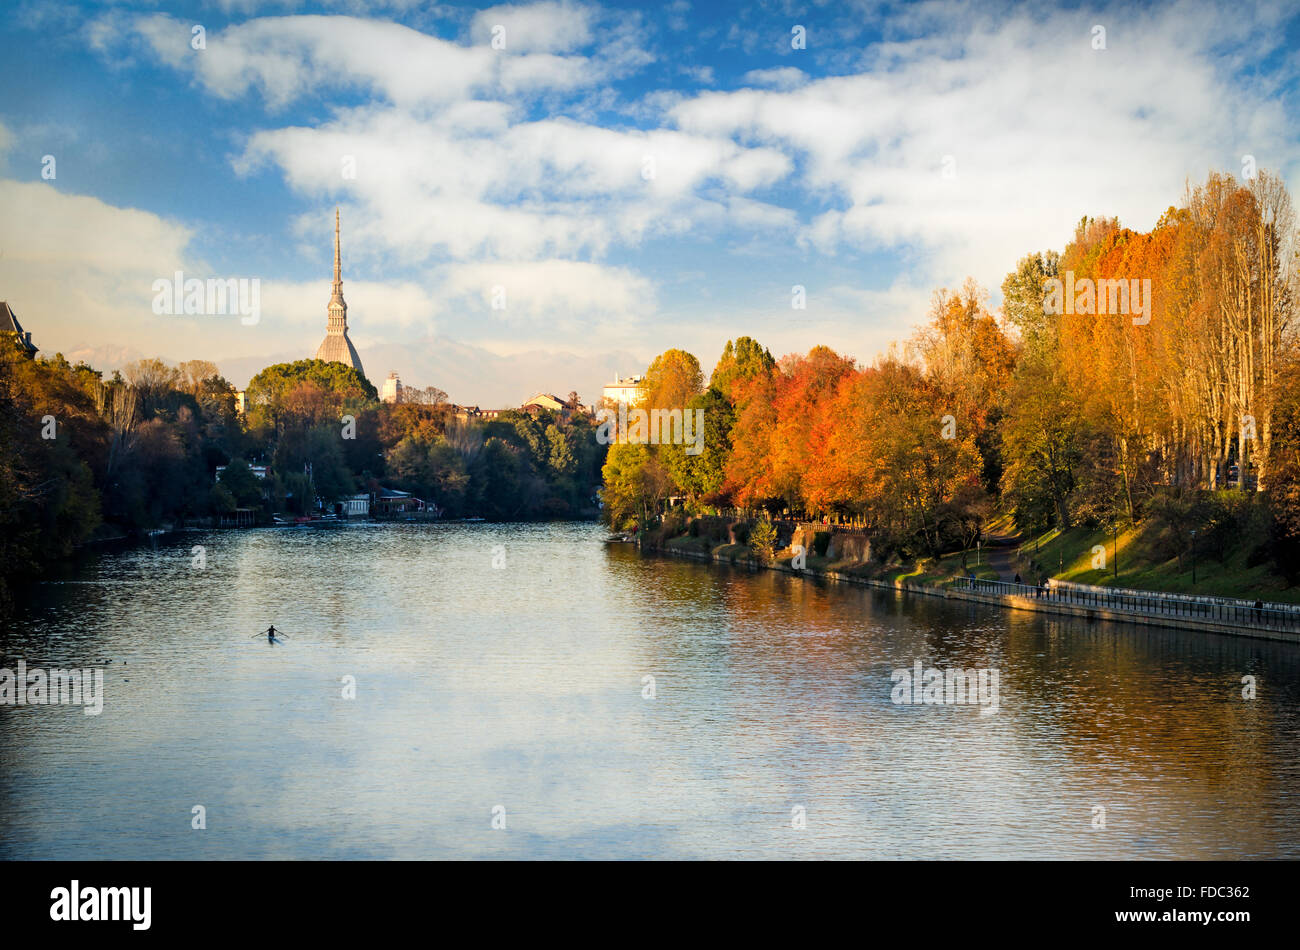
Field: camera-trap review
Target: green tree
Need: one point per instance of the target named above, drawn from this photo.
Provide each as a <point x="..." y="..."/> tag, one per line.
<point x="762" y="539"/>
<point x="1043" y="446"/>
<point x="701" y="475"/>
<point x="268" y="391"/>
<point x="244" y="487"/>
<point x="740" y="362"/>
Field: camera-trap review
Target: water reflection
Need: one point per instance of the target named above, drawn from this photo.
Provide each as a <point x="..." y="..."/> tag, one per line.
<point x="523" y="688"/>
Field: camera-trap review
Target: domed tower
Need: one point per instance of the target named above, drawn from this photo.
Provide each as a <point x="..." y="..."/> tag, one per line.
<point x="336" y="347"/>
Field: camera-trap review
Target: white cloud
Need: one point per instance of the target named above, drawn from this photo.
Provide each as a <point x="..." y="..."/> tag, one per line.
<point x="78" y="269"/>
<point x="1041" y="129"/>
<point x="285" y="58"/>
<point x="784" y="77"/>
<point x="546" y="296"/>
<point x="467" y="184"/>
<point x="546" y="27"/>
<point x="81" y="271"/>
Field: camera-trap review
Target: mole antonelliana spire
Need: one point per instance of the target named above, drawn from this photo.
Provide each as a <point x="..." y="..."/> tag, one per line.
<point x="336" y="347"/>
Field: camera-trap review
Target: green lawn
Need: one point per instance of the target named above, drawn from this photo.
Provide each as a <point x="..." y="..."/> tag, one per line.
<point x="1069" y="556"/>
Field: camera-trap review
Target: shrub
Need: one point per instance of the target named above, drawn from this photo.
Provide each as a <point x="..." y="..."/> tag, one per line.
<point x="762" y="539"/>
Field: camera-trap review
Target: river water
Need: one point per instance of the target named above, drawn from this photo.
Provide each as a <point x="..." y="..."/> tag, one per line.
<point x="502" y="709"/>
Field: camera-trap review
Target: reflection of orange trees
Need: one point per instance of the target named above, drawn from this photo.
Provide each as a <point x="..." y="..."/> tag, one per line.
<point x="1096" y="686"/>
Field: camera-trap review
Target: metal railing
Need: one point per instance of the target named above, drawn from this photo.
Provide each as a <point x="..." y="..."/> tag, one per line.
<point x="1240" y="613"/>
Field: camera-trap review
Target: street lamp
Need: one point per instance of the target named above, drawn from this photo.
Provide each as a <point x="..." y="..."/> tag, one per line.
<point x="1114" y="533"/>
<point x="1193" y="557"/>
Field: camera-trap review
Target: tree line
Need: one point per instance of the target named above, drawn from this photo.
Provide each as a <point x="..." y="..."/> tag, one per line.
<point x="86" y="457"/>
<point x="1184" y="411"/>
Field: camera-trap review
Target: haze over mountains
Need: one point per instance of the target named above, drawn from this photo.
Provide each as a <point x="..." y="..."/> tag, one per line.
<point x="470" y="375"/>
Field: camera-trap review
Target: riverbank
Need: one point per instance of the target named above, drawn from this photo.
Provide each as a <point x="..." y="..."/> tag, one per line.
<point x="940" y="579"/>
<point x="1233" y="560"/>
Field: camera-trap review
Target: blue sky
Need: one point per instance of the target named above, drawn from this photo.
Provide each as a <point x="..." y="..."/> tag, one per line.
<point x="527" y="168"/>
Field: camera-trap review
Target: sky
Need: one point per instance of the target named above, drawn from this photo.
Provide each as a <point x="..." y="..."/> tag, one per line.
<point x="617" y="180"/>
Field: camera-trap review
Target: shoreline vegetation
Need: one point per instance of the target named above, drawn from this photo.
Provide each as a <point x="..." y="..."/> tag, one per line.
<point x="89" y="460"/>
<point x="982" y="583"/>
<point x="1159" y="451"/>
<point x="1088" y="439"/>
<point x="1217" y="579"/>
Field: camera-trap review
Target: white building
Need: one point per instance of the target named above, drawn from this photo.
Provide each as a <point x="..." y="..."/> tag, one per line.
<point x="357" y="506"/>
<point x="392" y="389"/>
<point x="623" y="390"/>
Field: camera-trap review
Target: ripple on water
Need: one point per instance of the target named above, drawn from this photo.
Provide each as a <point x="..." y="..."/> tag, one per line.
<point x="522" y="687"/>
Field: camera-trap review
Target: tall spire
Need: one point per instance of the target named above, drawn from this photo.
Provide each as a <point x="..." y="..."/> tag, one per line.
<point x="338" y="266"/>
<point x="336" y="347"/>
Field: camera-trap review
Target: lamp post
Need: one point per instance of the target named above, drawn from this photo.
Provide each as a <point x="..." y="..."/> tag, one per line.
<point x="1193" y="557"/>
<point x="1114" y="533"/>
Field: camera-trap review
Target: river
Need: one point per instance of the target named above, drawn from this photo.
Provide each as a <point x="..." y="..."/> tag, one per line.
<point x="503" y="709"/>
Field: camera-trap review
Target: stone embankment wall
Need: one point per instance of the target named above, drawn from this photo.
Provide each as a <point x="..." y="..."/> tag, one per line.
<point x="853" y="545"/>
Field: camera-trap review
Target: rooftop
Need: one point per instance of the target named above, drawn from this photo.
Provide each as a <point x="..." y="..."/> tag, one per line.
<point x="9" y="324"/>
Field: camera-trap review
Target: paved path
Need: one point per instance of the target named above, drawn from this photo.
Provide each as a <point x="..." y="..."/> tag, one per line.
<point x="1000" y="554"/>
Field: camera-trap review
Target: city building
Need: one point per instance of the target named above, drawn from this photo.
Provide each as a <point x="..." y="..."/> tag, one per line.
<point x="392" y="391"/>
<point x="337" y="347"/>
<point x="623" y="390"/>
<point x="355" y="506"/>
<point x="9" y="325"/>
<point x="547" y="401"/>
<point x="389" y="502"/>
<point x="553" y="403"/>
<point x="466" y="413"/>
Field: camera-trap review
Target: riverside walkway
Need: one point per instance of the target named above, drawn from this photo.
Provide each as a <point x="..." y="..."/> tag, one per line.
<point x="1219" y="614"/>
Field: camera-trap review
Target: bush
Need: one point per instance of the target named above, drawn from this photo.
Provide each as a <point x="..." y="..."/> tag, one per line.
<point x="762" y="539"/>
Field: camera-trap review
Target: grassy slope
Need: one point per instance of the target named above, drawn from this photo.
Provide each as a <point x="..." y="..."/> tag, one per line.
<point x="1140" y="567"/>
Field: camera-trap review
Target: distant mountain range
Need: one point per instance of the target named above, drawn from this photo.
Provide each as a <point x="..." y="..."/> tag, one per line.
<point x="470" y="375"/>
